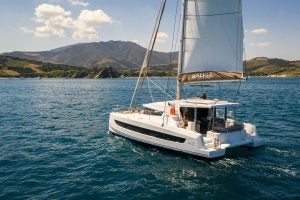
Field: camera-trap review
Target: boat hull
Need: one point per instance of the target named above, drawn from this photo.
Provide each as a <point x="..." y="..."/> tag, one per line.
<point x="145" y="129"/>
<point x="191" y="145"/>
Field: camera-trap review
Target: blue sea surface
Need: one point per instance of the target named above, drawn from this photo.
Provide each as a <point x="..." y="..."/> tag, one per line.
<point x="54" y="144"/>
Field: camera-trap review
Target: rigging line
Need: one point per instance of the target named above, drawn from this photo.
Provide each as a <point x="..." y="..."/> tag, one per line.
<point x="140" y="88"/>
<point x="172" y="46"/>
<point x="220" y="95"/>
<point x="160" y="88"/>
<point x="171" y="56"/>
<point x="243" y="43"/>
<point x="245" y="63"/>
<point x="173" y="34"/>
<point x="237" y="37"/>
<point x="245" y="58"/>
<point x="155" y="32"/>
<point x="235" y="83"/>
<point x="177" y="34"/>
<point x="182" y="47"/>
<point x="150" y="89"/>
<point x="148" y="55"/>
<point x="237" y="91"/>
<point x="163" y="85"/>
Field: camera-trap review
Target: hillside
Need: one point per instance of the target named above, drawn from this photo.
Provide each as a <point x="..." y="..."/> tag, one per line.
<point x="263" y="66"/>
<point x="17" y="67"/>
<point x="117" y="54"/>
<point x="119" y="58"/>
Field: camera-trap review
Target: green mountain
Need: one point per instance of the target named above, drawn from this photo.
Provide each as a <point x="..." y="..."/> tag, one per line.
<point x="263" y="66"/>
<point x="17" y="67"/>
<point x="117" y="54"/>
<point x="116" y="58"/>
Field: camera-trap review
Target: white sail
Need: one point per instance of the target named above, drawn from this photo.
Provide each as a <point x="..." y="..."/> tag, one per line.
<point x="212" y="40"/>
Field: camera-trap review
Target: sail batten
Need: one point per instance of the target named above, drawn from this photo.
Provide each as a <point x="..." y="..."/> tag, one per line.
<point x="212" y="41"/>
<point x="216" y="14"/>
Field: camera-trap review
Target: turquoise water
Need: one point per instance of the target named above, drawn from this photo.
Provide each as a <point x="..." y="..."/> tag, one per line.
<point x="54" y="145"/>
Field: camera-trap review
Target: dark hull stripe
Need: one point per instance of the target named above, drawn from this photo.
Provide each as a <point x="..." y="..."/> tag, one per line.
<point x="150" y="132"/>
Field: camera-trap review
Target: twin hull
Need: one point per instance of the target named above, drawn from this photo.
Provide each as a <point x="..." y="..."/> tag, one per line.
<point x="144" y="130"/>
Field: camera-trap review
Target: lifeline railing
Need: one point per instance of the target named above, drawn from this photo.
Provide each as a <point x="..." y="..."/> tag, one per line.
<point x="117" y="108"/>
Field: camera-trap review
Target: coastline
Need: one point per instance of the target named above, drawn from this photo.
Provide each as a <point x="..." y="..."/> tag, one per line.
<point x="129" y="77"/>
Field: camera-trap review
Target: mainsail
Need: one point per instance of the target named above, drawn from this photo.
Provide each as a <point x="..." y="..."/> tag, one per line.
<point x="212" y="41"/>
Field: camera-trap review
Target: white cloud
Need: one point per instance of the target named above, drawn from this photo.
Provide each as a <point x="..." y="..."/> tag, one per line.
<point x="26" y="30"/>
<point x="89" y="33"/>
<point x="162" y="37"/>
<point x="79" y="2"/>
<point x="259" y="31"/>
<point x="45" y="12"/>
<point x="260" y="44"/>
<point x="53" y="20"/>
<point x="85" y="25"/>
<point x="94" y="17"/>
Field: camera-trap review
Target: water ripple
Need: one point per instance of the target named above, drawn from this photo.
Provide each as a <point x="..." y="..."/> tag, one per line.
<point x="54" y="145"/>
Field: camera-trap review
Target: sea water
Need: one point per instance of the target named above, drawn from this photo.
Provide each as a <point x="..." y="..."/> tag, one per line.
<point x="54" y="144"/>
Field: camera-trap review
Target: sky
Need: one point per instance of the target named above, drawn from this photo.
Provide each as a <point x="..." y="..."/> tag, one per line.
<point x="272" y="27"/>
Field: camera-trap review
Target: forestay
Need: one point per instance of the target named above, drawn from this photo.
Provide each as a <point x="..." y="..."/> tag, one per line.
<point x="212" y="41"/>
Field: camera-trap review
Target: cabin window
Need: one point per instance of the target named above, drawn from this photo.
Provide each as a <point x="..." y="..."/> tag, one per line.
<point x="202" y="120"/>
<point x="221" y="122"/>
<point x="224" y="113"/>
<point x="189" y="112"/>
<point x="219" y="117"/>
<point x="150" y="132"/>
<point x="202" y="113"/>
<point x="220" y="113"/>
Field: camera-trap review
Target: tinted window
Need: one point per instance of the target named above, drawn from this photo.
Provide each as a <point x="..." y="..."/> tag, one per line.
<point x="189" y="112"/>
<point x="150" y="132"/>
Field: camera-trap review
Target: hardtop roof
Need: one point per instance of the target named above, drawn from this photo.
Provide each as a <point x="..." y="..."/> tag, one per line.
<point x="193" y="103"/>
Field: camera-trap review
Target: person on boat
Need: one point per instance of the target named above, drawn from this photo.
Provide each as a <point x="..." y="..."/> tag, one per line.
<point x="185" y="120"/>
<point x="172" y="110"/>
<point x="203" y="96"/>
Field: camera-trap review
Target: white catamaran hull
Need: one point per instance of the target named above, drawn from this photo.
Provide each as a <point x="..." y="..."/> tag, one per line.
<point x="148" y="129"/>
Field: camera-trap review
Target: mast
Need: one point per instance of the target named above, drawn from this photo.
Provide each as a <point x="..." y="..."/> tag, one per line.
<point x="181" y="50"/>
<point x="243" y="46"/>
<point x="146" y="61"/>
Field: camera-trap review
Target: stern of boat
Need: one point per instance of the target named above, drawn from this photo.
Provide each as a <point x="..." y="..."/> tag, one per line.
<point x="250" y="129"/>
<point x="247" y="136"/>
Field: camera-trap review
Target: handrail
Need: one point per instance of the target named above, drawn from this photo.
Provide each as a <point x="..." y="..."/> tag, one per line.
<point x="117" y="108"/>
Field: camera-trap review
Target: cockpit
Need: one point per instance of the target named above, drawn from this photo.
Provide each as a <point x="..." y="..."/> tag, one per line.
<point x="201" y="120"/>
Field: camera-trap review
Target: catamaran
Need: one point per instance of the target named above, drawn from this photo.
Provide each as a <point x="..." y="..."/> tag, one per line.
<point x="210" y="50"/>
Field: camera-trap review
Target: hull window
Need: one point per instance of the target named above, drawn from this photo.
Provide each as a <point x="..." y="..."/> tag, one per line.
<point x="150" y="132"/>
